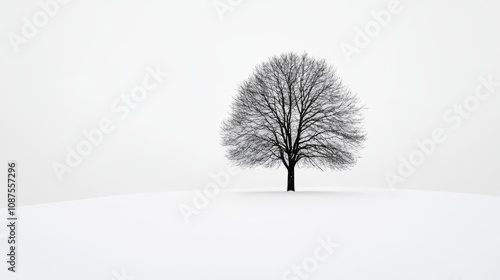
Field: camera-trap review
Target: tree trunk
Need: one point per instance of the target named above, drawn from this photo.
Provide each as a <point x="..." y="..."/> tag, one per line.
<point x="291" y="179"/>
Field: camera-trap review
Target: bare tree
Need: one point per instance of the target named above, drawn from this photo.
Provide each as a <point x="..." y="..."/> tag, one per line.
<point x="294" y="110"/>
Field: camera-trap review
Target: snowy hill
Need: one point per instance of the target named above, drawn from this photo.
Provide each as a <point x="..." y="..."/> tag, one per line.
<point x="262" y="235"/>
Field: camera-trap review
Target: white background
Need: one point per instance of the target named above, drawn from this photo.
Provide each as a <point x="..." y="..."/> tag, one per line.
<point x="63" y="80"/>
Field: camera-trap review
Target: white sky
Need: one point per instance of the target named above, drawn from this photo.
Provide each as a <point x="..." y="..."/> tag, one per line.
<point x="64" y="79"/>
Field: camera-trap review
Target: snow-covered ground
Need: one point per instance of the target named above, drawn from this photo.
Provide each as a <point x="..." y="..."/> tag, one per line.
<point x="400" y="235"/>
